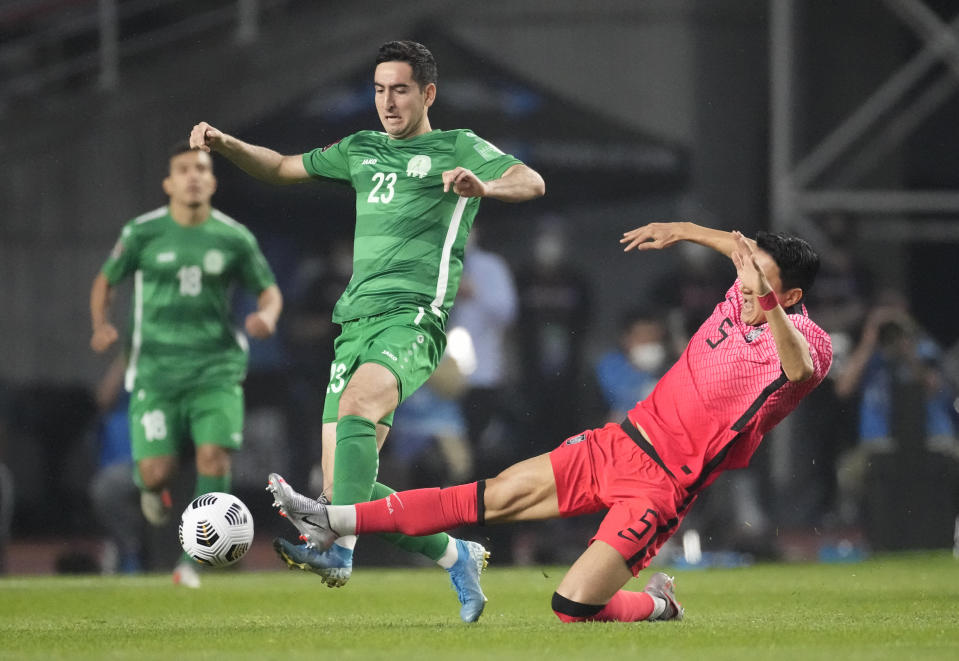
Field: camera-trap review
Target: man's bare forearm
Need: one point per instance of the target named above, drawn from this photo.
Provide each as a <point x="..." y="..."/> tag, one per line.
<point x="792" y="347"/>
<point x="270" y="302"/>
<point x="262" y="163"/>
<point x="99" y="301"/>
<point x="719" y="240"/>
<point x="518" y="184"/>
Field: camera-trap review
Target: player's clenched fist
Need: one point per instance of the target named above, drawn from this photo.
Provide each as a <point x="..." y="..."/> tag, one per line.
<point x="463" y="182"/>
<point x="104" y="335"/>
<point x="259" y="325"/>
<point x="205" y="137"/>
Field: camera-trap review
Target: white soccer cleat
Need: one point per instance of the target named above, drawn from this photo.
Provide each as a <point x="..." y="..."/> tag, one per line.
<point x="660" y="585"/>
<point x="156" y="506"/>
<point x="308" y="515"/>
<point x="185" y="574"/>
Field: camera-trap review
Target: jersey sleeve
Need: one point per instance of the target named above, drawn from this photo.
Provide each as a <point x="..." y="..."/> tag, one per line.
<point x="255" y="272"/>
<point x="125" y="256"/>
<point x="820" y="344"/>
<point x="331" y="162"/>
<point x="483" y="158"/>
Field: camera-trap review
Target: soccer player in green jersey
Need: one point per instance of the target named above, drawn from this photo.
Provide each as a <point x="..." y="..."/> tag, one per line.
<point x="417" y="193"/>
<point x="186" y="361"/>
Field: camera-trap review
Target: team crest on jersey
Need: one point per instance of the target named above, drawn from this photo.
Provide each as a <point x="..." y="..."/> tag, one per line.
<point x="575" y="439"/>
<point x="419" y="166"/>
<point x="213" y="262"/>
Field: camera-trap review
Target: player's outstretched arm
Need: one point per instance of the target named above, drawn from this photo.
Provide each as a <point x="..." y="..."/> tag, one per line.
<point x="261" y="323"/>
<point x="260" y="162"/>
<point x="656" y="236"/>
<point x="518" y="184"/>
<point x="104" y="332"/>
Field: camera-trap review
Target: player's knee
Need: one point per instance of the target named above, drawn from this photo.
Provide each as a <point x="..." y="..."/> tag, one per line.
<point x="371" y="393"/>
<point x="212" y="460"/>
<point x="363" y="405"/>
<point x="568" y="610"/>
<point x="155" y="472"/>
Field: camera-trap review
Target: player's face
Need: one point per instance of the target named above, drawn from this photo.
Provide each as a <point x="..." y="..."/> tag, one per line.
<point x="191" y="182"/>
<point x="752" y="314"/>
<point x="400" y="102"/>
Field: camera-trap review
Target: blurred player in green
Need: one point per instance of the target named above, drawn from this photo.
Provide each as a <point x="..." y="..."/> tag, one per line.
<point x="186" y="360"/>
<point x="417" y="193"/>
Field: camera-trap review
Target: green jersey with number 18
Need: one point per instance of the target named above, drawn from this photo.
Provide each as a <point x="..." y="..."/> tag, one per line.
<point x="182" y="335"/>
<point x="410" y="236"/>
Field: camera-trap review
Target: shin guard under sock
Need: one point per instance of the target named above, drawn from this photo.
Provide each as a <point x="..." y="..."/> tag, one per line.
<point x="419" y="511"/>
<point x="432" y="546"/>
<point x="356" y="461"/>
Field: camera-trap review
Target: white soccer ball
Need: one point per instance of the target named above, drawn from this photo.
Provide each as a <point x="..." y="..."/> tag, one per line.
<point x="216" y="529"/>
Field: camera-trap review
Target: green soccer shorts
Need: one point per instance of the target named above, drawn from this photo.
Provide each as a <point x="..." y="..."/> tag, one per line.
<point x="161" y="424"/>
<point x="409" y="342"/>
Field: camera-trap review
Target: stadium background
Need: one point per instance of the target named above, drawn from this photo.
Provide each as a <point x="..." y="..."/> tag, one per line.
<point x="632" y="110"/>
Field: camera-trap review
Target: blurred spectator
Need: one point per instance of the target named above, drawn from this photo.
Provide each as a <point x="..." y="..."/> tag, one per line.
<point x="905" y="400"/>
<point x="113" y="494"/>
<point x="555" y="305"/>
<point x="843" y="287"/>
<point x="818" y="430"/>
<point x="628" y="373"/>
<point x="485" y="309"/>
<point x="429" y="445"/>
<point x="688" y="292"/>
<point x="308" y="336"/>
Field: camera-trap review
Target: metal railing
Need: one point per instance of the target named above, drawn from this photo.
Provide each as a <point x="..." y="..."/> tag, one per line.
<point x="49" y="45"/>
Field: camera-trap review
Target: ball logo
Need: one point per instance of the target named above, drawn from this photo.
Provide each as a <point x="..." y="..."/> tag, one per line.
<point x="419" y="166"/>
<point x="213" y="262"/>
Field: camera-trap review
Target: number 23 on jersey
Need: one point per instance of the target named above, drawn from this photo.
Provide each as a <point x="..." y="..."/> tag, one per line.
<point x="383" y="188"/>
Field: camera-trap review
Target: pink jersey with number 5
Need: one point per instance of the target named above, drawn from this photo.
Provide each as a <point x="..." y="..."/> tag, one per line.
<point x="710" y="411"/>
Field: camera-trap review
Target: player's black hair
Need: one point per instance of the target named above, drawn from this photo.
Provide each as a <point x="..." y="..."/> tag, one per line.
<point x="180" y="147"/>
<point x="797" y="261"/>
<point x="416" y="55"/>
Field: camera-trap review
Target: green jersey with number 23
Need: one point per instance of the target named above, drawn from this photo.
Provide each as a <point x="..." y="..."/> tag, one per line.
<point x="410" y="236"/>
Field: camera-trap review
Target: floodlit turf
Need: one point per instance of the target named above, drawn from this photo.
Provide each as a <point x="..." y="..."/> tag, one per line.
<point x="893" y="607"/>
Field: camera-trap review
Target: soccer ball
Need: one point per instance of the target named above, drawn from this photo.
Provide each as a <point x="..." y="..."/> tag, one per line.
<point x="216" y="529"/>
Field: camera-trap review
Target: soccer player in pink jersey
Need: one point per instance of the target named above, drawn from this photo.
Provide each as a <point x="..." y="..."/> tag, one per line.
<point x="744" y="370"/>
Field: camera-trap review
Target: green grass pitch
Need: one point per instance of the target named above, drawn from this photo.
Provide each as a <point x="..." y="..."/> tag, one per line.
<point x="903" y="606"/>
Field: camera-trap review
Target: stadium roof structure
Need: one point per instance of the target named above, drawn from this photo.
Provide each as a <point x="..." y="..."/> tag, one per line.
<point x="583" y="156"/>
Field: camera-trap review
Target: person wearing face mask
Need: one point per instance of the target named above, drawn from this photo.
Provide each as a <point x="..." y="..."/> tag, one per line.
<point x="907" y="431"/>
<point x="749" y="364"/>
<point x="629" y="373"/>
